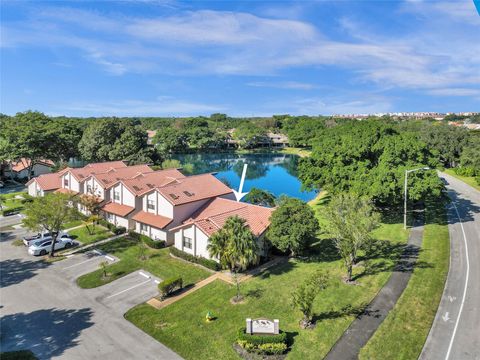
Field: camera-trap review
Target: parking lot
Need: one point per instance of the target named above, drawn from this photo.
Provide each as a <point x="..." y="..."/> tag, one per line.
<point x="42" y="308"/>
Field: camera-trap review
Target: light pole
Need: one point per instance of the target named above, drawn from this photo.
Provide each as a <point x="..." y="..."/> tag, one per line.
<point x="405" y="194"/>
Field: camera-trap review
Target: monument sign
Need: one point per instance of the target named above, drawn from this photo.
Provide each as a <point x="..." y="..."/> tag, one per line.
<point x="262" y="326"/>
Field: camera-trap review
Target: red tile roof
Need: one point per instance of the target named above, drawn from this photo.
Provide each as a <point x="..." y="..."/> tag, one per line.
<point x="49" y="182"/>
<point x="24" y="163"/>
<point x="117" y="209"/>
<point x="212" y="216"/>
<point x="193" y="188"/>
<point x="82" y="173"/>
<point x="144" y="183"/>
<point x="157" y="221"/>
<point x="66" y="191"/>
<point x="112" y="176"/>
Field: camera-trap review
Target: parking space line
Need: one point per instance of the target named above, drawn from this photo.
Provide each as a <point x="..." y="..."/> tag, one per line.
<point x="130" y="288"/>
<point x="144" y="275"/>
<point x="80" y="263"/>
<point x="109" y="258"/>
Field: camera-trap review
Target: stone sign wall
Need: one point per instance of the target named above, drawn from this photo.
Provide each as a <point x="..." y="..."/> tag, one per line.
<point x="262" y="326"/>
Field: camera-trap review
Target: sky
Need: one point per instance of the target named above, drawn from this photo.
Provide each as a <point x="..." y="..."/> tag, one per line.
<point x="242" y="58"/>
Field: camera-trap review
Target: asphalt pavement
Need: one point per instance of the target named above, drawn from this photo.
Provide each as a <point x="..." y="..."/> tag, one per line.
<point x="43" y="310"/>
<point x="455" y="333"/>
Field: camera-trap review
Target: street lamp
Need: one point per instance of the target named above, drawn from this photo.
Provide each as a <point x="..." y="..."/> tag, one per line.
<point x="405" y="196"/>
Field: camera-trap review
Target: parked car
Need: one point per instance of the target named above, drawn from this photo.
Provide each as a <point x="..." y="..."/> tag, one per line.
<point x="27" y="240"/>
<point x="43" y="247"/>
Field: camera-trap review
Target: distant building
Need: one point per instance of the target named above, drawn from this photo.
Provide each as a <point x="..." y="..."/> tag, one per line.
<point x="20" y="168"/>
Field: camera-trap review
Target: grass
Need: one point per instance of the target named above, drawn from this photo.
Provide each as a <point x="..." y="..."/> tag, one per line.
<point x="83" y="236"/>
<point x="73" y="223"/>
<point x="269" y="295"/>
<point x="296" y="151"/>
<point x="159" y="263"/>
<point x="404" y="331"/>
<point x="17" y="242"/>
<point x="470" y="180"/>
<point x="9" y="200"/>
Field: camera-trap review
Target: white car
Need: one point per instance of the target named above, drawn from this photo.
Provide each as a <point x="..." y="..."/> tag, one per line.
<point x="28" y="240"/>
<point x="43" y="247"/>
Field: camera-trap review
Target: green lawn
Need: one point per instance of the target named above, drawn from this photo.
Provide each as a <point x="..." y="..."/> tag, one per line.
<point x="83" y="236"/>
<point x="268" y="295"/>
<point x="159" y="263"/>
<point x="466" y="179"/>
<point x="9" y="200"/>
<point x="296" y="151"/>
<point x="404" y="331"/>
<point x="73" y="223"/>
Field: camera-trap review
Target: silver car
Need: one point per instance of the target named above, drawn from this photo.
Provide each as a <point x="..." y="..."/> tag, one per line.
<point x="43" y="247"/>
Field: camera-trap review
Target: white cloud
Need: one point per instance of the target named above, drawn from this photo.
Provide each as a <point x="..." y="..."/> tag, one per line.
<point x="455" y="92"/>
<point x="161" y="106"/>
<point x="292" y="85"/>
<point x="440" y="54"/>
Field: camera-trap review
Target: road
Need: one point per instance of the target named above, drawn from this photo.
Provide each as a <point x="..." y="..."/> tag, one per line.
<point x="42" y="309"/>
<point x="455" y="333"/>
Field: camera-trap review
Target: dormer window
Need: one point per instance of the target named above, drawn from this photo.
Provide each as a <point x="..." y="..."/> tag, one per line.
<point x="65" y="182"/>
<point x="150" y="205"/>
<point x="89" y="189"/>
<point x="116" y="195"/>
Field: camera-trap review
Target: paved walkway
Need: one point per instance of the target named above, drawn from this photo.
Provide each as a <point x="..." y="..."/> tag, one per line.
<point x="224" y="276"/>
<point x="365" y="325"/>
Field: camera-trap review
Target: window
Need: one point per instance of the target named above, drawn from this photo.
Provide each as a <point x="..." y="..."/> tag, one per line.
<point x="89" y="189"/>
<point x="109" y="217"/>
<point x="150" y="204"/>
<point x="116" y="195"/>
<point x="143" y="227"/>
<point x="65" y="182"/>
<point x="187" y="242"/>
<point x="39" y="192"/>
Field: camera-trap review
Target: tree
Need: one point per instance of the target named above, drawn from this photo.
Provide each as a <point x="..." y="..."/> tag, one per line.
<point x="50" y="212"/>
<point x="350" y="220"/>
<point x="168" y="140"/>
<point x="131" y="146"/>
<point x="370" y="158"/>
<point x="171" y="164"/>
<point x="91" y="203"/>
<point x="103" y="265"/>
<point x="248" y="134"/>
<point x="293" y="226"/>
<point x="235" y="246"/>
<point x="305" y="294"/>
<point x="260" y="197"/>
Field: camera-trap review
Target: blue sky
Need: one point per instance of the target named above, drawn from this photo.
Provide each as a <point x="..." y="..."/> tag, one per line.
<point x="171" y="58"/>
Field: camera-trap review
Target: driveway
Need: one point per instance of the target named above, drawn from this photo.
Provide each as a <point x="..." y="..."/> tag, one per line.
<point x="455" y="333"/>
<point x="42" y="309"/>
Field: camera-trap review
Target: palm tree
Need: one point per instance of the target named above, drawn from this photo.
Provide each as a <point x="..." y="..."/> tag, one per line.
<point x="234" y="246"/>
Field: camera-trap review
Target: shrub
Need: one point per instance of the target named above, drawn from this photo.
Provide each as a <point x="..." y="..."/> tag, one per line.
<point x="26" y="199"/>
<point x="272" y="348"/>
<point x="208" y="263"/>
<point x="261" y="339"/>
<point x="465" y="171"/>
<point x="133" y="235"/>
<point x="166" y="287"/>
<point x="155" y="244"/>
<point x="12" y="211"/>
<point x="119" y="230"/>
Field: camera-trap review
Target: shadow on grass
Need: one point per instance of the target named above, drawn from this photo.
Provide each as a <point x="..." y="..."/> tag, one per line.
<point x="324" y="250"/>
<point x="117" y="245"/>
<point x="347" y="310"/>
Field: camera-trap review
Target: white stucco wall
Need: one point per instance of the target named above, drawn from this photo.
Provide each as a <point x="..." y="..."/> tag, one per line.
<point x="72" y="182"/>
<point x="35" y="190"/>
<point x="184" y="211"/>
<point x="199" y="241"/>
<point x="126" y="197"/>
<point x="119" y="221"/>
<point x="96" y="188"/>
<point x="38" y="169"/>
<point x="152" y="232"/>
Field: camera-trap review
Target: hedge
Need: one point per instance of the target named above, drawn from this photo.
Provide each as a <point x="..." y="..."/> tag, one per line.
<point x="12" y="211"/>
<point x="261" y="339"/>
<point x="155" y="244"/>
<point x="117" y="230"/>
<point x="166" y="287"/>
<point x="210" y="264"/>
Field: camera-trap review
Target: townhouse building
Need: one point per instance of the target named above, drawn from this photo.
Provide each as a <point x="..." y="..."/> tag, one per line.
<point x="184" y="211"/>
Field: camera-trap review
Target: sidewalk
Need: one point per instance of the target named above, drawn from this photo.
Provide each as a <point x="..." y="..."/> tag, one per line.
<point x="364" y="326"/>
<point x="92" y="245"/>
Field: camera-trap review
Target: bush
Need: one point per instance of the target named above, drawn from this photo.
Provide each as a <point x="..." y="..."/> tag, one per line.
<point x="119" y="230"/>
<point x="166" y="287"/>
<point x="133" y="235"/>
<point x="261" y="339"/>
<point x="210" y="264"/>
<point x="26" y="199"/>
<point x="465" y="171"/>
<point x="155" y="244"/>
<point x="12" y="211"/>
<point x="272" y="348"/>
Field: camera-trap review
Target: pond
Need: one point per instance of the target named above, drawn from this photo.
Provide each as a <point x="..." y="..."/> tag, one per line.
<point x="274" y="172"/>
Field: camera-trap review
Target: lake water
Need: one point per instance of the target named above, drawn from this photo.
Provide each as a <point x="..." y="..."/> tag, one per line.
<point x="276" y="173"/>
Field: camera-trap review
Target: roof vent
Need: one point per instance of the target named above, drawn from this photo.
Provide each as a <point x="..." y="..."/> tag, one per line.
<point x="151" y="186"/>
<point x="189" y="194"/>
<point x="136" y="187"/>
<point x="173" y="196"/>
